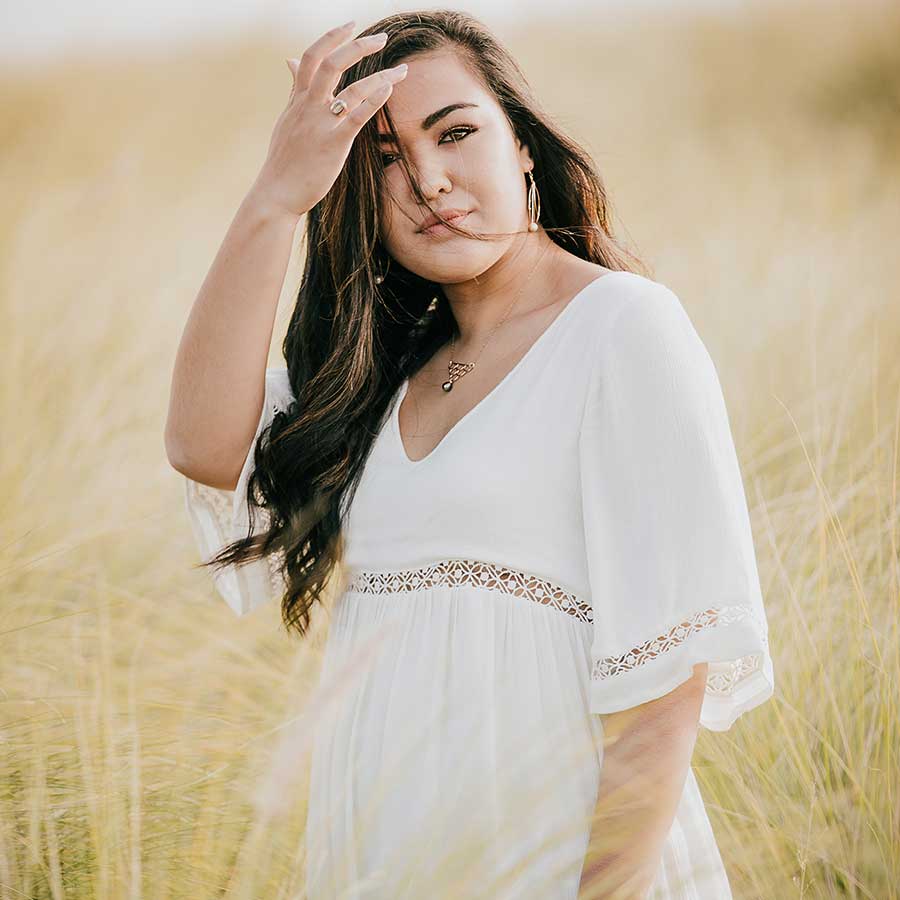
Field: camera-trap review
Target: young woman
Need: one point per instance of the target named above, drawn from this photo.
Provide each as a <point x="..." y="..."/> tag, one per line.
<point x="512" y="450"/>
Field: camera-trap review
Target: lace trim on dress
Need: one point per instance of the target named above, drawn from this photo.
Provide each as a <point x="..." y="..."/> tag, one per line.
<point x="719" y="682"/>
<point x="219" y="503"/>
<point x="457" y="572"/>
<point x="722" y="679"/>
<point x="217" y="500"/>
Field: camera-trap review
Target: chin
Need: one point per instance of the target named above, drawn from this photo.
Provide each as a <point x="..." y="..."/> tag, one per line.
<point x="456" y="271"/>
<point x="454" y="264"/>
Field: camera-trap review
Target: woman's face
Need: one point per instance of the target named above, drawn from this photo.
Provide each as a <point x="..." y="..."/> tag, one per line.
<point x="468" y="159"/>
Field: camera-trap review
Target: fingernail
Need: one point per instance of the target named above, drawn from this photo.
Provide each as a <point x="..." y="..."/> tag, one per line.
<point x="348" y="24"/>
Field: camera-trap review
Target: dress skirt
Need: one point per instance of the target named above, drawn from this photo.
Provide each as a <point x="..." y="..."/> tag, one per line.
<point x="458" y="756"/>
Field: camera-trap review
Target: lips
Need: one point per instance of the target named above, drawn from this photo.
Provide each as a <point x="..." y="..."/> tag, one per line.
<point x="451" y="215"/>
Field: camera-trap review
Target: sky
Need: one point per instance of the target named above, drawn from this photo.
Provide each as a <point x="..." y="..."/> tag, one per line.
<point x="32" y="31"/>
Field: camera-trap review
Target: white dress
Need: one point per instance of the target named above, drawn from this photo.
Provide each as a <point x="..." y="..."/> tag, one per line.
<point x="575" y="544"/>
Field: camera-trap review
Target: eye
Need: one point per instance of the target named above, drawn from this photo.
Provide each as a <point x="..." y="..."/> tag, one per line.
<point x="466" y="129"/>
<point x="388" y="158"/>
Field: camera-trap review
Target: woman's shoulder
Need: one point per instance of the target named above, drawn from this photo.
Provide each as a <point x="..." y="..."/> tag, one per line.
<point x="630" y="310"/>
<point x="642" y="345"/>
<point x="622" y="292"/>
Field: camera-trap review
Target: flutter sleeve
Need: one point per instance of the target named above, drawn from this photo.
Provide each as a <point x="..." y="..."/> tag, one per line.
<point x="670" y="554"/>
<point x="218" y="517"/>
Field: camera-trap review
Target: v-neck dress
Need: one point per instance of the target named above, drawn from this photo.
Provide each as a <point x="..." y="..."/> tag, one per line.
<point x="572" y="547"/>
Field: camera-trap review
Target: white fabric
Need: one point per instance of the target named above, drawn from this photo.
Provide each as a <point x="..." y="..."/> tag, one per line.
<point x="573" y="546"/>
<point x="219" y="517"/>
<point x="669" y="548"/>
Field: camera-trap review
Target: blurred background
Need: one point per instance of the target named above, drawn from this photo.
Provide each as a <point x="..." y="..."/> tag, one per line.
<point x="752" y="153"/>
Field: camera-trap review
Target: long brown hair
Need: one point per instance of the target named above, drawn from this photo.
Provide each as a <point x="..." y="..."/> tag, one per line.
<point x="351" y="342"/>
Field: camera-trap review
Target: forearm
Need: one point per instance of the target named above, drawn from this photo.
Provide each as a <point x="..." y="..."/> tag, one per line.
<point x="646" y="756"/>
<point x="218" y="379"/>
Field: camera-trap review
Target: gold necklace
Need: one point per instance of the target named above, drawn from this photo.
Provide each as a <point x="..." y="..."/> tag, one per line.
<point x="455" y="369"/>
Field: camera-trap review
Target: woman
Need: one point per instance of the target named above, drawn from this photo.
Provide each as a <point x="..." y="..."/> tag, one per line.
<point x="511" y="449"/>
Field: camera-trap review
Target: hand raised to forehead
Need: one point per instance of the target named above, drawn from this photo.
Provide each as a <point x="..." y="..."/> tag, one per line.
<point x="310" y="143"/>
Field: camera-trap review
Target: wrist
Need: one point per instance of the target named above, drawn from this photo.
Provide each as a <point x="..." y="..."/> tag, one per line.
<point x="260" y="205"/>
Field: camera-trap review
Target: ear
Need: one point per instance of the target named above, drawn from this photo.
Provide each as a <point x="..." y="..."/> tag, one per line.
<point x="525" y="159"/>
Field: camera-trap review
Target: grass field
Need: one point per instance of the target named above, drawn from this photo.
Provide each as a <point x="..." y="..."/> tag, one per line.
<point x="754" y="163"/>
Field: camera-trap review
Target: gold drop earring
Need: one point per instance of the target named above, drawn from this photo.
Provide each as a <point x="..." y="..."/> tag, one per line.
<point x="534" y="204"/>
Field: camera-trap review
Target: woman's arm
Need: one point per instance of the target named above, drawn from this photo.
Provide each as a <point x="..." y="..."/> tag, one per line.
<point x="219" y="377"/>
<point x="646" y="755"/>
<point x="218" y="385"/>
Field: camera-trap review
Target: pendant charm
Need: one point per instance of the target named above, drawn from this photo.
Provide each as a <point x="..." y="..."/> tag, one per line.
<point x="455" y="370"/>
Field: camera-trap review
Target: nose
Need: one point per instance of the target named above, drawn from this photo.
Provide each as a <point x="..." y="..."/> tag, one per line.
<point x="433" y="181"/>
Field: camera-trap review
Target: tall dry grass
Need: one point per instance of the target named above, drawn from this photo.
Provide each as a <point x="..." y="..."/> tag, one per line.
<point x="753" y="159"/>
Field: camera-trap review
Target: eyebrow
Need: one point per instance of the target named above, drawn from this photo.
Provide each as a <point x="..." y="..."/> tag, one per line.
<point x="431" y="119"/>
